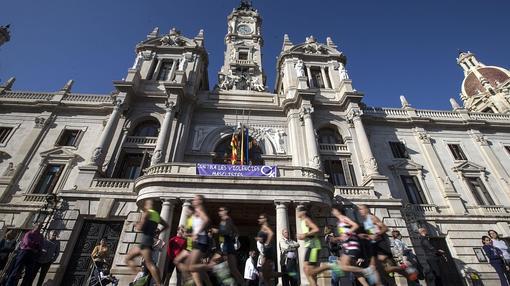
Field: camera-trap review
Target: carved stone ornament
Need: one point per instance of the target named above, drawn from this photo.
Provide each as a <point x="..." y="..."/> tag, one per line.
<point x="315" y="162"/>
<point x="480" y="139"/>
<point x="96" y="155"/>
<point x="371" y="165"/>
<point x="354" y="114"/>
<point x="40" y="122"/>
<point x="173" y="39"/>
<point x="157" y="157"/>
<point x="312" y="47"/>
<point x="147" y="55"/>
<point x="9" y="171"/>
<point x="306" y="111"/>
<point x="424" y="137"/>
<point x="300" y="68"/>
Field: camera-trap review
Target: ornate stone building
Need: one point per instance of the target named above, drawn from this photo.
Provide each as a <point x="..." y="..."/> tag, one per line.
<point x="81" y="162"/>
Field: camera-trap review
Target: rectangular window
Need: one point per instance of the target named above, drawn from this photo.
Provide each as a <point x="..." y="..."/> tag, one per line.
<point x="69" y="137"/>
<point x="353" y="175"/>
<point x="457" y="152"/>
<point x="4" y="134"/>
<point x="317" y="80"/>
<point x="336" y="173"/>
<point x="132" y="165"/>
<point x="479" y="191"/>
<point x="243" y="55"/>
<point x="507" y="148"/>
<point x="165" y="70"/>
<point x="49" y="179"/>
<point x="413" y="189"/>
<point x="399" y="150"/>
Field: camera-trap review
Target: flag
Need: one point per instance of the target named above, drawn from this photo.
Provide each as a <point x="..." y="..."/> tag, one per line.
<point x="233" y="145"/>
<point x="242" y="144"/>
<point x="247" y="146"/>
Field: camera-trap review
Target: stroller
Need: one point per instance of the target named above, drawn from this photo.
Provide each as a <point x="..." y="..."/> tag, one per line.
<point x="101" y="277"/>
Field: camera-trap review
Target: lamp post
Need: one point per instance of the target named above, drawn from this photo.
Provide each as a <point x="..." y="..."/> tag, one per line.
<point x="48" y="209"/>
<point x="4" y="34"/>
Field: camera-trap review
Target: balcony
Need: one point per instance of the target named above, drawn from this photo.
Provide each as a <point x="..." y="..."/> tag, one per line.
<point x="140" y="142"/>
<point x="488" y="210"/>
<point x="180" y="180"/>
<point x="333" y="149"/>
<point x="352" y="193"/>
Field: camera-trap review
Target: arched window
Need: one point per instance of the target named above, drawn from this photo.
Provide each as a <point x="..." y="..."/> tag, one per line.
<point x="149" y="128"/>
<point x="330" y="136"/>
<point x="223" y="152"/>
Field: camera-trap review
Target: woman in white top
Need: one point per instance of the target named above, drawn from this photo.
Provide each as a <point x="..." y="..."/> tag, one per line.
<point x="200" y="240"/>
<point x="501" y="244"/>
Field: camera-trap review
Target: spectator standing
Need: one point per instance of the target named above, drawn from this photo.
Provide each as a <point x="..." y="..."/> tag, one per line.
<point x="49" y="253"/>
<point x="250" y="270"/>
<point x="7" y="245"/>
<point x="495" y="256"/>
<point x="288" y="262"/>
<point x="26" y="259"/>
<point x="174" y="247"/>
<point x="333" y="251"/>
<point x="100" y="253"/>
<point x="501" y="244"/>
<point x="432" y="256"/>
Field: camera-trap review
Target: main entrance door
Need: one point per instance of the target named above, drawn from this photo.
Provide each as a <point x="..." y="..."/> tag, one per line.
<point x="79" y="267"/>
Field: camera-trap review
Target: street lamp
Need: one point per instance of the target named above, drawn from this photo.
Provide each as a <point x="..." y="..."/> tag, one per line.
<point x="48" y="209"/>
<point x="5" y="35"/>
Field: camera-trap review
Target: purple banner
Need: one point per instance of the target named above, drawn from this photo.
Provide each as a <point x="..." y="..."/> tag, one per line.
<point x="236" y="170"/>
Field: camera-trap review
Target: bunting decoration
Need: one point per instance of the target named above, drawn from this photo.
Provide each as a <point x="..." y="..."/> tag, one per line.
<point x="234" y="144"/>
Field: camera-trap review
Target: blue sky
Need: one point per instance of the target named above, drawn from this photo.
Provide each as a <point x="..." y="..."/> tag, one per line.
<point x="393" y="47"/>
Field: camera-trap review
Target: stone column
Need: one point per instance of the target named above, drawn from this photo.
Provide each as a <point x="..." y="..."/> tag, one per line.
<point x="369" y="162"/>
<point x="171" y="75"/>
<point x="104" y="141"/>
<point x="158" y="155"/>
<point x="282" y="222"/>
<point x="301" y="249"/>
<point x="311" y="143"/>
<point x="309" y="75"/>
<point x="167" y="213"/>
<point x="444" y="182"/>
<point x="325" y="78"/>
<point x="492" y="160"/>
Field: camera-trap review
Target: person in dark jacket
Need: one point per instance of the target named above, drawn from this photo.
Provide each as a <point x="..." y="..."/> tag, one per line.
<point x="432" y="255"/>
<point x="49" y="253"/>
<point x="26" y="259"/>
<point x="495" y="259"/>
<point x="7" y="246"/>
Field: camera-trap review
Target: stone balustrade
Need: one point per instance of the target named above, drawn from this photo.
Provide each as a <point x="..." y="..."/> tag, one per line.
<point x="437" y="115"/>
<point x="333" y="148"/>
<point x="243" y="62"/>
<point x="110" y="184"/>
<point x="492" y="210"/>
<point x="354" y="192"/>
<point x="35" y="198"/>
<point x="140" y="141"/>
<point x="88" y="98"/>
<point x="26" y="95"/>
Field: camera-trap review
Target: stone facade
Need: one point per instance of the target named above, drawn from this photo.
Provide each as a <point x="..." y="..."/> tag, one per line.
<point x="102" y="154"/>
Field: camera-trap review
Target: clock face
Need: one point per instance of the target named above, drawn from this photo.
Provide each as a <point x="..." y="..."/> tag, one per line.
<point x="244" y="29"/>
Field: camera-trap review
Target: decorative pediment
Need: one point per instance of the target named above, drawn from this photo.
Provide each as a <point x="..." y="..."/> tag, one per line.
<point x="469" y="167"/>
<point x="312" y="47"/>
<point x="172" y="39"/>
<point x="406" y="165"/>
<point x="59" y="153"/>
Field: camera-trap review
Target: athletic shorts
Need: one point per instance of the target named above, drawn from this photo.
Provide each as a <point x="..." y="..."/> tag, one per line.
<point x="147" y="241"/>
<point x="382" y="247"/>
<point x="351" y="248"/>
<point x="312" y="255"/>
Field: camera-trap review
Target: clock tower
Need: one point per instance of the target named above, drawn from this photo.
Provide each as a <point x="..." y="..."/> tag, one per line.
<point x="242" y="68"/>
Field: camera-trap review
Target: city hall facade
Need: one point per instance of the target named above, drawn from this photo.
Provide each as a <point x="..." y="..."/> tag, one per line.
<point x="82" y="163"/>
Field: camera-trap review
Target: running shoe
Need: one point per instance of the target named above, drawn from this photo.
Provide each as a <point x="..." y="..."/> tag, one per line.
<point x="336" y="270"/>
<point x="370" y="274"/>
<point x="141" y="281"/>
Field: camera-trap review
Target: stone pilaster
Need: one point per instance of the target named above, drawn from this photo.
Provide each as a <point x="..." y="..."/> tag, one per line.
<point x="444" y="182"/>
<point x="301" y="249"/>
<point x="99" y="153"/>
<point x="311" y="142"/>
<point x="369" y="162"/>
<point x="495" y="164"/>
<point x="282" y="222"/>
<point x="158" y="155"/>
<point x="167" y="213"/>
